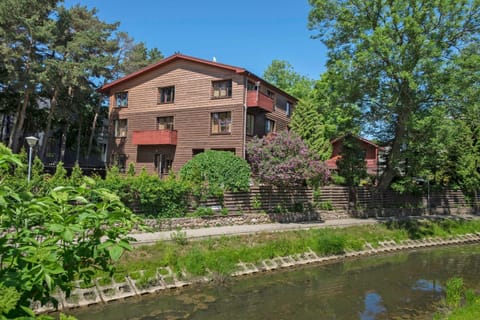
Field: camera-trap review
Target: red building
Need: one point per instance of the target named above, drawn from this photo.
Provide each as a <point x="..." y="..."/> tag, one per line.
<point x="372" y="154"/>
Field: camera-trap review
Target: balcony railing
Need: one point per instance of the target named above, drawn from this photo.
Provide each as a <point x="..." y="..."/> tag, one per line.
<point x="256" y="99"/>
<point x="155" y="137"/>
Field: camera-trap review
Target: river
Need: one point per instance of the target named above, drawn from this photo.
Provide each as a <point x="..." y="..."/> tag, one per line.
<point x="406" y="285"/>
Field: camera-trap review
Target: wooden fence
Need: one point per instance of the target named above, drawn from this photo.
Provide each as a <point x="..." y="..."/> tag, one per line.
<point x="368" y="201"/>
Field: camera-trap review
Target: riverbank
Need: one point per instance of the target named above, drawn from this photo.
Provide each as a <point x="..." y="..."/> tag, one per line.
<point x="182" y="262"/>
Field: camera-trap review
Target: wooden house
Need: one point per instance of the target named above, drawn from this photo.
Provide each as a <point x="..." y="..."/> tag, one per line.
<point x="164" y="114"/>
<point x="371" y="150"/>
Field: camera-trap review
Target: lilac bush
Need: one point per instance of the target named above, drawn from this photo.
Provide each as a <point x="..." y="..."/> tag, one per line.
<point x="283" y="159"/>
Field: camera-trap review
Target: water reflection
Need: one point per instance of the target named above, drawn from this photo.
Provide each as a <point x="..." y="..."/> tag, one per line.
<point x="373" y="306"/>
<point x="428" y="285"/>
<point x="400" y="286"/>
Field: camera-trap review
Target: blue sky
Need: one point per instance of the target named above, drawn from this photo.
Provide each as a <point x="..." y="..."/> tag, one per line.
<point x="248" y="33"/>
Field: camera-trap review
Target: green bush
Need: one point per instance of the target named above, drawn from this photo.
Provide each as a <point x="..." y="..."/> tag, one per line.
<point x="211" y="173"/>
<point x="78" y="237"/>
<point x="160" y="198"/>
<point x="204" y="211"/>
<point x="149" y="194"/>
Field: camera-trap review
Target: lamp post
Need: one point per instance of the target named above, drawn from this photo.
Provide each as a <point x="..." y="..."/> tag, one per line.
<point x="422" y="180"/>
<point x="32" y="142"/>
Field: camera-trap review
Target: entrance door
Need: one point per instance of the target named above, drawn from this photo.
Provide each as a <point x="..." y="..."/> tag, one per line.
<point x="163" y="164"/>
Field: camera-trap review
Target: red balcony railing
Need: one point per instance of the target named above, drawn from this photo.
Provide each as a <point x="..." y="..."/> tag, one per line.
<point x="256" y="99"/>
<point x="155" y="137"/>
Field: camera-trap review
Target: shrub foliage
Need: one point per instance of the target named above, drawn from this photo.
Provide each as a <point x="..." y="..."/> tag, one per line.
<point x="283" y="159"/>
<point x="213" y="172"/>
<point x="47" y="241"/>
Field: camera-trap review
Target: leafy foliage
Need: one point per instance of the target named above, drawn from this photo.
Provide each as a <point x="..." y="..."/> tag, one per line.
<point x="149" y="194"/>
<point x="213" y="172"/>
<point x="48" y="241"/>
<point x="396" y="60"/>
<point x="283" y="159"/>
<point x="308" y="123"/>
<point x="281" y="74"/>
<point x="351" y="164"/>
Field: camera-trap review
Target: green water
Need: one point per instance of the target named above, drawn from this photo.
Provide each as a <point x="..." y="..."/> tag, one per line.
<point x="401" y="286"/>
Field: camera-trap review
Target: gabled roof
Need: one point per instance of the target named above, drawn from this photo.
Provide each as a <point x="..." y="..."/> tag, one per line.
<point x="358" y="138"/>
<point x="106" y="88"/>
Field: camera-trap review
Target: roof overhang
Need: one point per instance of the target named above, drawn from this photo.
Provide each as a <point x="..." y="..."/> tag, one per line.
<point x="105" y="89"/>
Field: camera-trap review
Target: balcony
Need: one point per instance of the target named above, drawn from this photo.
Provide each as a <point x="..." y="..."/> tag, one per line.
<point x="155" y="137"/>
<point x="257" y="99"/>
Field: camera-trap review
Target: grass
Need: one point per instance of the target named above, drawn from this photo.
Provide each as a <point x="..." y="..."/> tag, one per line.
<point x="219" y="256"/>
<point x="461" y="303"/>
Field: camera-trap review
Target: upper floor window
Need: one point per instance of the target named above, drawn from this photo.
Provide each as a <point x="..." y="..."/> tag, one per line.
<point x="165" y="123"/>
<point x="222" y="89"/>
<point x="166" y="94"/>
<point x="121" y="99"/>
<point x="221" y="122"/>
<point x="252" y="86"/>
<point x="121" y="128"/>
<point x="288" y="108"/>
<point x="269" y="126"/>
<point x="271" y="95"/>
<point x="250" y="124"/>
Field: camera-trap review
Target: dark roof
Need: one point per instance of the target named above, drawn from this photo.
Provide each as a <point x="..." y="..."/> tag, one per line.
<point x="107" y="87"/>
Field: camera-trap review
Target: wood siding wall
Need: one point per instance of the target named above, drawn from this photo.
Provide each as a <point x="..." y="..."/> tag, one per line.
<point x="191" y="109"/>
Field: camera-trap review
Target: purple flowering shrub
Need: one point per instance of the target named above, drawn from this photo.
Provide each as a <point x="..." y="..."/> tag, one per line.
<point x="283" y="159"/>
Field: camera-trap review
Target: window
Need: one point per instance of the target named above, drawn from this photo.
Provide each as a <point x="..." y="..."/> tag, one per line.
<point x="288" y="108"/>
<point x="165" y="123"/>
<point x="251" y="86"/>
<point x="250" y="124"/>
<point x="121" y="99"/>
<point x="119" y="160"/>
<point x="222" y="89"/>
<point x="166" y="95"/>
<point x="269" y="126"/>
<point x="120" y="128"/>
<point x="221" y="122"/>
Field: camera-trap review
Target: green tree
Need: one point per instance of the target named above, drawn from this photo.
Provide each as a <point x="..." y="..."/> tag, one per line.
<point x="325" y="115"/>
<point x="308" y="123"/>
<point x="80" y="50"/>
<point x="281" y="74"/>
<point x="351" y="164"/>
<point x="24" y="27"/>
<point x="133" y="56"/>
<point x="392" y="56"/>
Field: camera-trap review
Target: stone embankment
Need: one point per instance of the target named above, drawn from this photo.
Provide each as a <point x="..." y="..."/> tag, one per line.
<point x="242" y="219"/>
<point x="139" y="284"/>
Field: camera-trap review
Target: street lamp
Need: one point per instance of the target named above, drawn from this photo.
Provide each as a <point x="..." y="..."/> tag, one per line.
<point x="32" y="142"/>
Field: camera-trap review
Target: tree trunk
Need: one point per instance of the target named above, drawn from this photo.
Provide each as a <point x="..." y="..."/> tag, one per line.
<point x="394" y="155"/>
<point x="14" y="141"/>
<point x="92" y="132"/>
<point x="79" y="139"/>
<point x="48" y="128"/>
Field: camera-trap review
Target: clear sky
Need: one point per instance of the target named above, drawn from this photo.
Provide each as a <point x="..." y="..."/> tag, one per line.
<point x="248" y="33"/>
